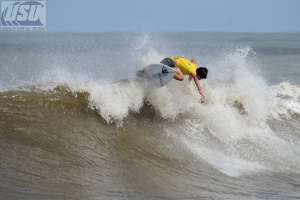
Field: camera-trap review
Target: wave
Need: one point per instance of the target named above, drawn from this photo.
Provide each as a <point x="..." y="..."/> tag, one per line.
<point x="235" y="132"/>
<point x="247" y="126"/>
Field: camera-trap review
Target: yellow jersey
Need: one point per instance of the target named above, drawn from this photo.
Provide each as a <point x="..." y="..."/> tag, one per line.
<point x="185" y="65"/>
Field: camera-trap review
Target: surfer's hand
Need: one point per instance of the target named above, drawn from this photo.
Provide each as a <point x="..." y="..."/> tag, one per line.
<point x="203" y="100"/>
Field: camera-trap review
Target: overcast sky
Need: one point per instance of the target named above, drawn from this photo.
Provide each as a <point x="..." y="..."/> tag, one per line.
<point x="174" y="15"/>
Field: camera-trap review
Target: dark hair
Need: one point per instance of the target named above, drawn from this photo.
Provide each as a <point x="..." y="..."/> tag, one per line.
<point x="202" y="72"/>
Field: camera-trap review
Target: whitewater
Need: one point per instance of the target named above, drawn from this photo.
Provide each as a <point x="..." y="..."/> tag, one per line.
<point x="75" y="123"/>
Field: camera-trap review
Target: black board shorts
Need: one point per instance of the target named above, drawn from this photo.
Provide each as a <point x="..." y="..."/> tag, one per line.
<point x="169" y="62"/>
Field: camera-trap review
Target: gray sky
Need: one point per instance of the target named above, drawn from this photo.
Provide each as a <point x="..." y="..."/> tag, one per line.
<point x="174" y="15"/>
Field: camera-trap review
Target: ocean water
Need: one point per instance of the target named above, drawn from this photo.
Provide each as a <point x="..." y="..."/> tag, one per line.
<point x="74" y="123"/>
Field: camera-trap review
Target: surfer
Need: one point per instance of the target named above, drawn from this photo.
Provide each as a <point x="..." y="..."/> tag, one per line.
<point x="188" y="67"/>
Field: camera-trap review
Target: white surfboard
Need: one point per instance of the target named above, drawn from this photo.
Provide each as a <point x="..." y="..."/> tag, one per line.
<point x="157" y="75"/>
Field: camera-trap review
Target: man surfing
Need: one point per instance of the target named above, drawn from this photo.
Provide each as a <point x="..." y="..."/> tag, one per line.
<point x="188" y="67"/>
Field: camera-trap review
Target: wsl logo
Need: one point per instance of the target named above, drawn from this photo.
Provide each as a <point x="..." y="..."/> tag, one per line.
<point x="23" y="15"/>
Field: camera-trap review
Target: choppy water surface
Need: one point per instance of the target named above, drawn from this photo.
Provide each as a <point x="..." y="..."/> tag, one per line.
<point x="70" y="129"/>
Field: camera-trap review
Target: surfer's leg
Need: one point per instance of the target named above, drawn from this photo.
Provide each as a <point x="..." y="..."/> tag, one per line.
<point x="179" y="75"/>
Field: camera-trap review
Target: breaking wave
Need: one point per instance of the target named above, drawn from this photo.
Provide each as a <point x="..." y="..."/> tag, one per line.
<point x="70" y="129"/>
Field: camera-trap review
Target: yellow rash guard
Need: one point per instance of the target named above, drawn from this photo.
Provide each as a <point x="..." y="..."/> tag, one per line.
<point x="185" y="65"/>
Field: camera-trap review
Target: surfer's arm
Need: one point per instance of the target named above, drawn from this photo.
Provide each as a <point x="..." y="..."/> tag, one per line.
<point x="200" y="89"/>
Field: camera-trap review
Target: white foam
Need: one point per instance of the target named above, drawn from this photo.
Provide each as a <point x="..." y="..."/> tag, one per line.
<point x="233" y="88"/>
<point x="229" y="165"/>
<point x="240" y="104"/>
<point x="114" y="101"/>
<point x="238" y="112"/>
<point x="286" y="103"/>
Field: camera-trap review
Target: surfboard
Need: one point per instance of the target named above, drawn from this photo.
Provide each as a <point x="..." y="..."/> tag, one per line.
<point x="156" y="75"/>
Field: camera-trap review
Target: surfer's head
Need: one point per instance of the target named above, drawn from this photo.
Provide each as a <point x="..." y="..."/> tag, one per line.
<point x="202" y="72"/>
